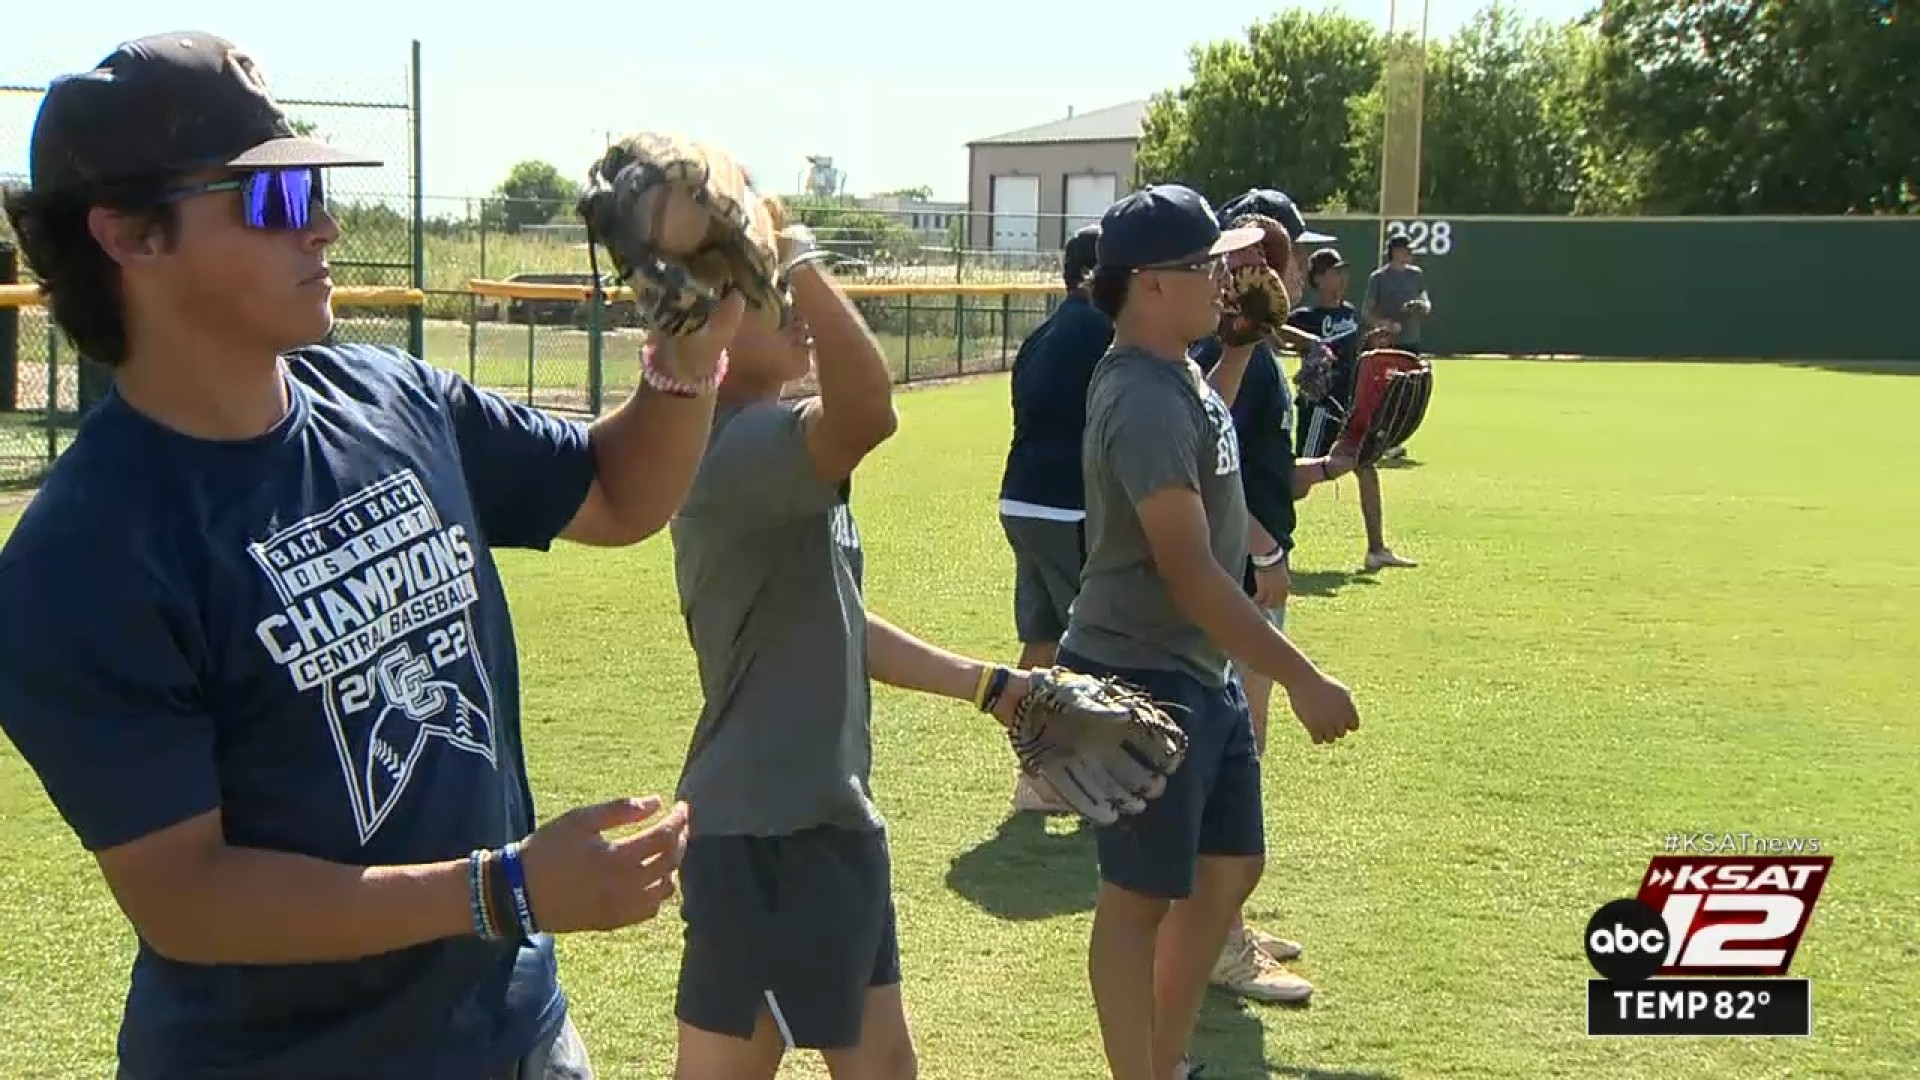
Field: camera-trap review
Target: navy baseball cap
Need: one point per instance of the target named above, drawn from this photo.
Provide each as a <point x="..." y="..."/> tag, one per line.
<point x="1162" y="225"/>
<point x="164" y="105"/>
<point x="1277" y="205"/>
<point x="1083" y="252"/>
<point x="1323" y="260"/>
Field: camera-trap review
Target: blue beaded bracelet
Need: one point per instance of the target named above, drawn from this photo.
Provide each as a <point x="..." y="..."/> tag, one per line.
<point x="517" y="885"/>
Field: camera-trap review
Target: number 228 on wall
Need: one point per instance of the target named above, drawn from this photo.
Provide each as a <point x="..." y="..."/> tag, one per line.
<point x="1426" y="237"/>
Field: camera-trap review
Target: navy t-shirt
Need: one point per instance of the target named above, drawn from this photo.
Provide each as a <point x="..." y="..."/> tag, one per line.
<point x="1330" y="324"/>
<point x="1050" y="377"/>
<point x="305" y="630"/>
<point x="1263" y="418"/>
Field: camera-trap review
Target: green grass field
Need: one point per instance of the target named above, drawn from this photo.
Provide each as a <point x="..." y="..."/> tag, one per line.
<point x="1653" y="599"/>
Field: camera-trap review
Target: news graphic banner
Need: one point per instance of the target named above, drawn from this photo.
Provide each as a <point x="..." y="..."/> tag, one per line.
<point x="1705" y="945"/>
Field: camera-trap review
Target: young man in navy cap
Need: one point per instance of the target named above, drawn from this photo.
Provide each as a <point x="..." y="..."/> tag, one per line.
<point x="1042" y="505"/>
<point x="1161" y="606"/>
<point x="253" y="641"/>
<point x="1327" y="313"/>
<point x="1251" y="963"/>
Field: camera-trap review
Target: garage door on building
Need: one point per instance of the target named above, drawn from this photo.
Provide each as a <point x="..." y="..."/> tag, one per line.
<point x="1088" y="196"/>
<point x="1016" y="213"/>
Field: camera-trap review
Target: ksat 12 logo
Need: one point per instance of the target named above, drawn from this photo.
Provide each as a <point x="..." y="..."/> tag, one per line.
<point x="1704" y="948"/>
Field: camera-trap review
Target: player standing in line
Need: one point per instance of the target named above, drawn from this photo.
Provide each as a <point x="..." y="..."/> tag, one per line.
<point x="1329" y="316"/>
<point x="253" y="640"/>
<point x="1396" y="301"/>
<point x="1251" y="963"/>
<point x="787" y="884"/>
<point x="1161" y="606"/>
<point x="1042" y="507"/>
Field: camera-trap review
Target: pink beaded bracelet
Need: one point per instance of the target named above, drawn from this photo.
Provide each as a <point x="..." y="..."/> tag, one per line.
<point x="653" y="375"/>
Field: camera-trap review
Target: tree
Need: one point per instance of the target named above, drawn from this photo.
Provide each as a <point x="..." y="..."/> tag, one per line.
<point x="923" y="193"/>
<point x="1270" y="111"/>
<point x="1504" y="122"/>
<point x="534" y="193"/>
<point x="1763" y="106"/>
<point x="850" y="231"/>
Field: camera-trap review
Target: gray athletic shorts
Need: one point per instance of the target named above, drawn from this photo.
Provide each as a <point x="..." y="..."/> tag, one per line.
<point x="801" y="925"/>
<point x="1046" y="574"/>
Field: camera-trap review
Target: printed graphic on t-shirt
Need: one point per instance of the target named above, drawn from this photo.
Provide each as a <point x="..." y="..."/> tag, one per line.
<point x="1226" y="448"/>
<point x="845" y="533"/>
<point x="1333" y="325"/>
<point x="376" y="620"/>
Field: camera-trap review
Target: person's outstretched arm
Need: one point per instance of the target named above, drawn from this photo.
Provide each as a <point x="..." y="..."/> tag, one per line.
<point x="900" y="659"/>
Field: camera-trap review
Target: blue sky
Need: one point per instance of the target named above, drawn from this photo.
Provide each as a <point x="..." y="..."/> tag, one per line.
<point x="892" y="97"/>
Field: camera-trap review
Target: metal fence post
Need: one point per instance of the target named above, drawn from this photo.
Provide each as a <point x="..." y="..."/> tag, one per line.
<point x="530" y="344"/>
<point x="53" y="397"/>
<point x="595" y="351"/>
<point x="417" y="320"/>
<point x="9" y="333"/>
<point x="907" y="374"/>
<point x="959" y="334"/>
<point x="1006" y="327"/>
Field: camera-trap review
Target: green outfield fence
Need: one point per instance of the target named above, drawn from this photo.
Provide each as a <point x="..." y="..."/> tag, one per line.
<point x="1752" y="288"/>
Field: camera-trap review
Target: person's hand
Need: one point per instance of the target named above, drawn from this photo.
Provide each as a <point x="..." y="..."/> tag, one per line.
<point x="1325" y="707"/>
<point x="1004" y="709"/>
<point x="1419" y="305"/>
<point x="694" y="357"/>
<point x="1272" y="585"/>
<point x="578" y="879"/>
<point x="1339" y="465"/>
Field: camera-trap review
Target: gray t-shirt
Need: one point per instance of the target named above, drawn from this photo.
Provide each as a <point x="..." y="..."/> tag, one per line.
<point x="768" y="564"/>
<point x="1388" y="291"/>
<point x="1152" y="424"/>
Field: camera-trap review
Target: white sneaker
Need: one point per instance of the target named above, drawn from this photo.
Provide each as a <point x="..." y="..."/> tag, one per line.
<point x="1385" y="557"/>
<point x="1245" y="970"/>
<point x="1277" y="947"/>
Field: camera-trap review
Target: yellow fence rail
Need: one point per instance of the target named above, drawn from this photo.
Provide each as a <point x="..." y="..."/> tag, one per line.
<point x="358" y="296"/>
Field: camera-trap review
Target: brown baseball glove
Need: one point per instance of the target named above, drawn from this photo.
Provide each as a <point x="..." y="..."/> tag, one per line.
<point x="684" y="227"/>
<point x="1103" y="745"/>
<point x="1257" y="300"/>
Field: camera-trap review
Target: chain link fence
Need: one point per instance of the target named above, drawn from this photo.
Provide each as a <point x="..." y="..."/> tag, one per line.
<point x="559" y="354"/>
<point x="539" y="349"/>
<point x="45" y="386"/>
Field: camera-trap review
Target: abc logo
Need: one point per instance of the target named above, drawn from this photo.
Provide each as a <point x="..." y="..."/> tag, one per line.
<point x="1626" y="941"/>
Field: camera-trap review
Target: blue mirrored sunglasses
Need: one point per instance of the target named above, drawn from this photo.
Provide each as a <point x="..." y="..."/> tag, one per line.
<point x="269" y="198"/>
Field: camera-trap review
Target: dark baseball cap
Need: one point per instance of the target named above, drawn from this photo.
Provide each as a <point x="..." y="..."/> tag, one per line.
<point x="1083" y="252"/>
<point x="1323" y="260"/>
<point x="1277" y="205"/>
<point x="164" y="105"/>
<point x="1164" y="224"/>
